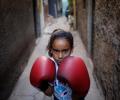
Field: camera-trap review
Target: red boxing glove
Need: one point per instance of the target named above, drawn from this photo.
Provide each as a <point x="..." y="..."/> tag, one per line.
<point x="73" y="71"/>
<point x="43" y="71"/>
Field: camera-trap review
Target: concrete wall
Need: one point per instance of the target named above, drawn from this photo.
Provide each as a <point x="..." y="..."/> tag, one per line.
<point x="106" y="43"/>
<point x="16" y="41"/>
<point x="81" y="19"/>
<point x="106" y="48"/>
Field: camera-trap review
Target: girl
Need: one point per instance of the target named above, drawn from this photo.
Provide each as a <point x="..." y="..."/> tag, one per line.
<point x="60" y="46"/>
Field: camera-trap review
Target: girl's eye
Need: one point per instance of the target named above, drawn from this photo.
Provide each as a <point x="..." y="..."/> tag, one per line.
<point x="62" y="51"/>
<point x="66" y="50"/>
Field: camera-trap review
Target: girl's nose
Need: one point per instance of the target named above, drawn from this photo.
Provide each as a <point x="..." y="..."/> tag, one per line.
<point x="60" y="55"/>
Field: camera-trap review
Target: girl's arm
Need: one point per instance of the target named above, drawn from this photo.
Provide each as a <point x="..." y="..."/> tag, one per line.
<point x="49" y="91"/>
<point x="47" y="88"/>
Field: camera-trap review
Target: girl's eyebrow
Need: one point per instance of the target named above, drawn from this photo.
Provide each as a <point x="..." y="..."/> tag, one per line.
<point x="55" y="49"/>
<point x="60" y="50"/>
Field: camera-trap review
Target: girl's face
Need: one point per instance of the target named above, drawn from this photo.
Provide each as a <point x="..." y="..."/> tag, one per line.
<point x="60" y="49"/>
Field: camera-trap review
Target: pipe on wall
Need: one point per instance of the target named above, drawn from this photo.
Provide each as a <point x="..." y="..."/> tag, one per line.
<point x="90" y="26"/>
<point x="36" y="12"/>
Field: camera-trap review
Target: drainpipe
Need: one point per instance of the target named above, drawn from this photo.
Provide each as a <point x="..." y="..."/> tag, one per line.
<point x="74" y="7"/>
<point x="36" y="12"/>
<point x="90" y="25"/>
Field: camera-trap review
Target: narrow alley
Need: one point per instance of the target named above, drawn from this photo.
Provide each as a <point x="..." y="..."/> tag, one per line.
<point x="23" y="89"/>
<point x="26" y="26"/>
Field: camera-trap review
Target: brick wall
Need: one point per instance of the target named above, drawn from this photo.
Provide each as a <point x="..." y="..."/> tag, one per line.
<point x="16" y="41"/>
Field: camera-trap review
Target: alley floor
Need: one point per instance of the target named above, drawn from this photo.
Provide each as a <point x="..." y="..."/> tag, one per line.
<point x="25" y="91"/>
